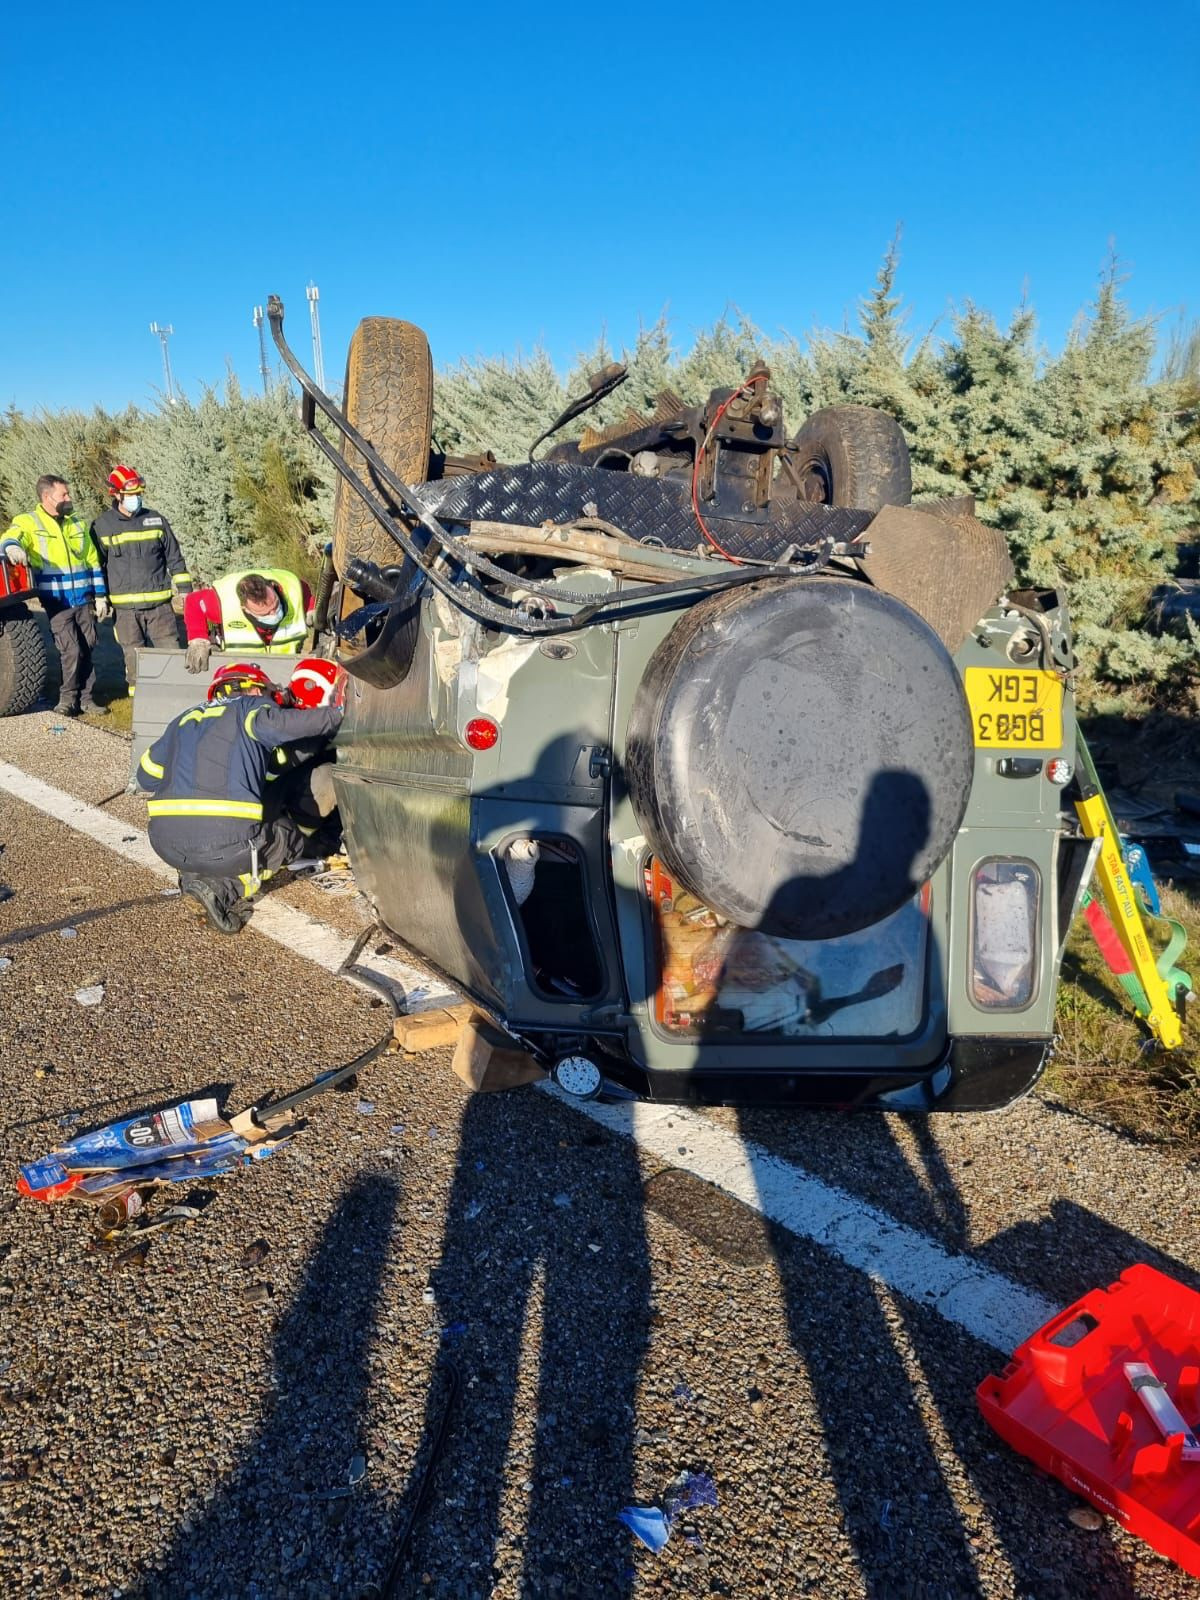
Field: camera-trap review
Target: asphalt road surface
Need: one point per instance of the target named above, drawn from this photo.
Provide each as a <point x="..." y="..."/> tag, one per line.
<point x="503" y="1318"/>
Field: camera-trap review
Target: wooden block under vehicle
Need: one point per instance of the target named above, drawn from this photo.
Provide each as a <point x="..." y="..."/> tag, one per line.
<point x="430" y="1030"/>
<point x="486" y="1058"/>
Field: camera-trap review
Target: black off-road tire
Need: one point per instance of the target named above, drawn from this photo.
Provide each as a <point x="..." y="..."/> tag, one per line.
<point x="853" y="456"/>
<point x="24" y="664"/>
<point x="389" y="399"/>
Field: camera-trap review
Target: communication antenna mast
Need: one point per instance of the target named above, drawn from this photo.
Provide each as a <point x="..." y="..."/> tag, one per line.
<point x="262" y="349"/>
<point x="314" y="297"/>
<point x="163" y="334"/>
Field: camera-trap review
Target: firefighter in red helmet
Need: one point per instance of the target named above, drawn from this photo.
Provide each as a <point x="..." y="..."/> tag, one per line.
<point x="222" y="810"/>
<point x="144" y="567"/>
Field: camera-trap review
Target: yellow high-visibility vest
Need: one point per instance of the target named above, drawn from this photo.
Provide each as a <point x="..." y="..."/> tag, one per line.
<point x="63" y="558"/>
<point x="241" y="636"/>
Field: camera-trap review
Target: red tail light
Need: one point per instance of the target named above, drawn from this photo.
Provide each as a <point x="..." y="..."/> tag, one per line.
<point x="481" y="733"/>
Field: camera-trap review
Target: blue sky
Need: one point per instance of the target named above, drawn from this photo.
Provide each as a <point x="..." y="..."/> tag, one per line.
<point x="504" y="176"/>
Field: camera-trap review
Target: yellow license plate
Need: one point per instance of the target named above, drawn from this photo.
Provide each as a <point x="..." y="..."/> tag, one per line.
<point x="1014" y="710"/>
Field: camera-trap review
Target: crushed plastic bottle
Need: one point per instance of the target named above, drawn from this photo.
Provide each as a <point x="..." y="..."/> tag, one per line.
<point x="648" y="1524"/>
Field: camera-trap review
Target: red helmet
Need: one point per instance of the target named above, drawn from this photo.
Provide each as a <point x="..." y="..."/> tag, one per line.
<point x="314" y="682"/>
<point x="124" y="480"/>
<point x="237" y="679"/>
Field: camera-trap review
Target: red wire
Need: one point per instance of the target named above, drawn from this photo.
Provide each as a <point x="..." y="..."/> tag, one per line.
<point x="704" y="443"/>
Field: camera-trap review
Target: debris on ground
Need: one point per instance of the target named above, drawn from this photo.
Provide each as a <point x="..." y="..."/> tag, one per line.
<point x="176" y="1145"/>
<point x="653" y="1525"/>
<point x="134" y="1255"/>
<point x="90" y="995"/>
<point x="1086" y="1517"/>
<point x="648" y="1524"/>
<point x="187" y="1141"/>
<point x="689" y="1492"/>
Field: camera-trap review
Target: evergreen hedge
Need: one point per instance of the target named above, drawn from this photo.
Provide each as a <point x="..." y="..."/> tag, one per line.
<point x="1088" y="460"/>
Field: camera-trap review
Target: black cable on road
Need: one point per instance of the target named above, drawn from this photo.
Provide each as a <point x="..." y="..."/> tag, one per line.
<point x="336" y="1075"/>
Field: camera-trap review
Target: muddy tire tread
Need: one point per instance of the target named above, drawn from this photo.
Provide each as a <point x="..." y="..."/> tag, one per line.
<point x="867" y="452"/>
<point x="389" y="399"/>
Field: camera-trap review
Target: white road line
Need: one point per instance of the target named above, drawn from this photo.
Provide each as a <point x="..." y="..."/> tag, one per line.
<point x="984" y="1303"/>
<point x="274" y="919"/>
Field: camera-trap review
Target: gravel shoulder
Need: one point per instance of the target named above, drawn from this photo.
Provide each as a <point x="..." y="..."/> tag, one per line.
<point x="172" y="1430"/>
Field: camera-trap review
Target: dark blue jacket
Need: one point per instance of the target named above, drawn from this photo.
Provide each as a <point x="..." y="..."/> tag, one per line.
<point x="208" y="774"/>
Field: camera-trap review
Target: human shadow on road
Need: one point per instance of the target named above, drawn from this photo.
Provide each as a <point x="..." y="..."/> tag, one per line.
<point x="278" y="1524"/>
<point x="80" y="919"/>
<point x="912" y="1461"/>
<point x="926" y="1488"/>
<point x="544" y="1244"/>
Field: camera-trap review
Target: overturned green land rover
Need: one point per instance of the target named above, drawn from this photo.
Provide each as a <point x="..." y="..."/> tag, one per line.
<point x="707" y="765"/>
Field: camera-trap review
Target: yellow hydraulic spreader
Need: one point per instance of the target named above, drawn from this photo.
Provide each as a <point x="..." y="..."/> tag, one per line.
<point x="1152" y="983"/>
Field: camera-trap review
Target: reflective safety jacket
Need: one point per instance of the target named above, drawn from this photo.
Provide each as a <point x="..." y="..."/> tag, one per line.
<point x="219" y="611"/>
<point x="208" y="774"/>
<point x="141" y="558"/>
<point x="62" y="557"/>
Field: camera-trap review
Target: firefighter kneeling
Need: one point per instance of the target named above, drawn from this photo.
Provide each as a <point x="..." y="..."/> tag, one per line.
<point x="238" y="788"/>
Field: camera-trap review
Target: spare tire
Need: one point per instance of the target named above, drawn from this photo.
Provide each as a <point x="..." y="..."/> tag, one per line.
<point x="853" y="456"/>
<point x="800" y="755"/>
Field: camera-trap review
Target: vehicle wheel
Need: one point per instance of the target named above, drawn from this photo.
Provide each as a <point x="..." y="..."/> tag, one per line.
<point x="800" y="755"/>
<point x="24" y="663"/>
<point x="389" y="399"/>
<point x="853" y="456"/>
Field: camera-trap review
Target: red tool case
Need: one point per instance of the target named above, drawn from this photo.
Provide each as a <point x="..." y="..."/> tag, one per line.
<point x="1065" y="1402"/>
<point x="14" y="579"/>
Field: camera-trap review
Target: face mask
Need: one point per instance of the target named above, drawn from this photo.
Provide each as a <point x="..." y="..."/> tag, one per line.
<point x="64" y="508"/>
<point x="131" y="503"/>
<point x="273" y="619"/>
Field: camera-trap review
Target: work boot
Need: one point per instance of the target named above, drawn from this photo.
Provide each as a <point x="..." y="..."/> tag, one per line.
<point x="67" y="708"/>
<point x="207" y="892"/>
<point x="241" y="911"/>
<point x="93" y="708"/>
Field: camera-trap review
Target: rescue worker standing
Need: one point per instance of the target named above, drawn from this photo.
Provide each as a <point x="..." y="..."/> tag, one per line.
<point x="267" y="612"/>
<point x="68" y="579"/>
<point x="144" y="568"/>
<point x="209" y="776"/>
